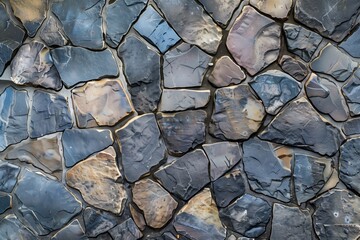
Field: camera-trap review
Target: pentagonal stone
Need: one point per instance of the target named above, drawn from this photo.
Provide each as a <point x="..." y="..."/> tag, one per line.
<point x="8" y="176"/>
<point x="351" y="91"/>
<point x="183" y="99"/>
<point x="351" y="127"/>
<point x="5" y="202"/>
<point x="225" y="73"/>
<point x="11" y="228"/>
<point x="97" y="222"/>
<point x="220" y="10"/>
<point x="53" y="33"/>
<point x="126" y="230"/>
<point x="274" y="8"/>
<point x="294" y="67"/>
<point x="349" y="45"/>
<point x="71" y="231"/>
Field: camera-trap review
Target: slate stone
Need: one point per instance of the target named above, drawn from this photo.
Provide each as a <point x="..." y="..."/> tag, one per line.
<point x="351" y="90"/>
<point x="185" y="66"/>
<point x="199" y="218"/>
<point x="53" y="33"/>
<point x="225" y="73"/>
<point x="237" y="113"/>
<point x="5" y="202"/>
<point x="248" y="215"/>
<point x="8" y="176"/>
<point x="351" y="127"/>
<point x="331" y="18"/>
<point x="351" y="43"/>
<point x="275" y="89"/>
<point x="294" y="67"/>
<point x="194" y="26"/>
<point x="138" y="217"/>
<point x="119" y="15"/>
<point x="141" y="146"/>
<point x="11" y="228"/>
<point x="68" y="60"/>
<point x="82" y="21"/>
<point x="33" y="65"/>
<point x="49" y="113"/>
<point x="333" y="62"/>
<point x="183" y="99"/>
<point x="254" y="40"/>
<point x="186" y="175"/>
<point x="72" y="231"/>
<point x="46" y="210"/>
<point x="104" y="236"/>
<point x="97" y="222"/>
<point x="220" y="10"/>
<point x="326" y="97"/>
<point x="182" y="131"/>
<point x="274" y="8"/>
<point x="299" y="125"/>
<point x="127" y="230"/>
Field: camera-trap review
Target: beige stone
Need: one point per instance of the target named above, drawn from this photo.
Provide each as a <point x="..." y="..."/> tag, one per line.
<point x="275" y="8"/>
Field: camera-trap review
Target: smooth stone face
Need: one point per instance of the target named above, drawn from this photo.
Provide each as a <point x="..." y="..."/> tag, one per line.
<point x="94" y="177"/>
<point x="68" y="60"/>
<point x="11" y="228"/>
<point x="220" y="10"/>
<point x="71" y="231"/>
<point x="82" y="21"/>
<point x="182" y="131"/>
<point x="141" y="146"/>
<point x="274" y="8"/>
<point x="294" y="67"/>
<point x="8" y="176"/>
<point x="237" y="113"/>
<point x="97" y="222"/>
<point x="53" y="34"/>
<point x="185" y="66"/>
<point x="351" y="91"/>
<point x="127" y="230"/>
<point x="194" y="26"/>
<point x="351" y="127"/>
<point x="5" y="203"/>
<point x="183" y="99"/>
<point x="186" y="175"/>
<point x="351" y="43"/>
<point x="225" y="73"/>
<point x="299" y="125"/>
<point x="349" y="165"/>
<point x="254" y="40"/>
<point x="199" y="218"/>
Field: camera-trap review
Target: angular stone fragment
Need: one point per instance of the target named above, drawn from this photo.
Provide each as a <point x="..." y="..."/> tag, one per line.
<point x="5" y="202"/>
<point x="194" y="26"/>
<point x="97" y="222"/>
<point x="294" y="67"/>
<point x="72" y="231"/>
<point x="94" y="177"/>
<point x="104" y="236"/>
<point x="138" y="217"/>
<point x="351" y="43"/>
<point x="8" y="176"/>
<point x="93" y="64"/>
<point x="254" y="40"/>
<point x="351" y="91"/>
<point x="52" y="33"/>
<point x="186" y="175"/>
<point x="220" y="10"/>
<point x="299" y="125"/>
<point x="127" y="230"/>
<point x="274" y="8"/>
<point x="226" y="72"/>
<point x="183" y="130"/>
<point x="11" y="228"/>
<point x="351" y="127"/>
<point x="237" y="113"/>
<point x="199" y="218"/>
<point x="183" y="99"/>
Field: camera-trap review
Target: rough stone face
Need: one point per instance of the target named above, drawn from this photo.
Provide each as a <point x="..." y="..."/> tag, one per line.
<point x="220" y="10"/>
<point x="225" y="73"/>
<point x="53" y="34"/>
<point x="8" y="176"/>
<point x="199" y="218"/>
<point x="138" y="217"/>
<point x="351" y="43"/>
<point x="68" y="60"/>
<point x="71" y="231"/>
<point x="274" y="8"/>
<point x="5" y="202"/>
<point x="351" y="91"/>
<point x="97" y="222"/>
<point x="299" y="125"/>
<point x="254" y="40"/>
<point x="183" y="99"/>
<point x="194" y="26"/>
<point x="183" y="130"/>
<point x="237" y="113"/>
<point x="351" y="127"/>
<point x="294" y="67"/>
<point x="94" y="177"/>
<point x="127" y="230"/>
<point x="141" y="146"/>
<point x="186" y="175"/>
<point x="11" y="228"/>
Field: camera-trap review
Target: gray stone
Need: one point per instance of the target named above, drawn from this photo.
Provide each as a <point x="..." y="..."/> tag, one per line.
<point x="12" y="229"/>
<point x="97" y="222"/>
<point x="351" y="91"/>
<point x="351" y="43"/>
<point x="104" y="236"/>
<point x="8" y="176"/>
<point x="72" y="231"/>
<point x="220" y="10"/>
<point x="127" y="230"/>
<point x="274" y="8"/>
<point x="5" y="202"/>
<point x="53" y="33"/>
<point x="294" y="67"/>
<point x="225" y="73"/>
<point x="183" y="99"/>
<point x="138" y="217"/>
<point x="351" y="127"/>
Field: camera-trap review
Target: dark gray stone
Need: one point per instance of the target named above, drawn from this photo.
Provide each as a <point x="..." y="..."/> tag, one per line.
<point x="72" y="231"/>
<point x="294" y="67"/>
<point x="127" y="230"/>
<point x="351" y="127"/>
<point x="104" y="236"/>
<point x="351" y="44"/>
<point x="5" y="202"/>
<point x="97" y="222"/>
<point x="220" y="10"/>
<point x="351" y="91"/>
<point x="53" y="33"/>
<point x="349" y="165"/>
<point x="12" y="229"/>
<point x="225" y="73"/>
<point x="8" y="176"/>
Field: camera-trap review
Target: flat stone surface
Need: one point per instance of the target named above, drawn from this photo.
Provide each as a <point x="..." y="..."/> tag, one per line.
<point x="351" y="127"/>
<point x="220" y="10"/>
<point x="127" y="230"/>
<point x="141" y="146"/>
<point x="53" y="33"/>
<point x="351" y="90"/>
<point x="237" y="113"/>
<point x="137" y="217"/>
<point x="8" y="176"/>
<point x="349" y="45"/>
<point x="183" y="99"/>
<point x="274" y="8"/>
<point x="254" y="40"/>
<point x="68" y="60"/>
<point x="182" y="131"/>
<point x="294" y="67"/>
<point x="5" y="203"/>
<point x="72" y="231"/>
<point x="225" y="73"/>
<point x="11" y="228"/>
<point x="186" y="175"/>
<point x="97" y="222"/>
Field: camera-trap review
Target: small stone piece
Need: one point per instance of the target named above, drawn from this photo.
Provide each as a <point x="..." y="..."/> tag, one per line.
<point x="352" y="127"/>
<point x="226" y="73"/>
<point x="97" y="222"/>
<point x="72" y="231"/>
<point x="294" y="67"/>
<point x="127" y="230"/>
<point x="183" y="99"/>
<point x="351" y="43"/>
<point x="11" y="228"/>
<point x="274" y="8"/>
<point x="349" y="165"/>
<point x="53" y="34"/>
<point x="220" y="10"/>
<point x="138" y="217"/>
<point x="351" y="91"/>
<point x="5" y="202"/>
<point x="8" y="176"/>
<point x="254" y="40"/>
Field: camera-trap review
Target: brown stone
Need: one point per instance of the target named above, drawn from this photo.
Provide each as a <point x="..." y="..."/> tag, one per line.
<point x="226" y="73"/>
<point x="138" y="217"/>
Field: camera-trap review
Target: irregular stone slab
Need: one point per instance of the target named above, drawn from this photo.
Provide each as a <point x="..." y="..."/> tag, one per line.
<point x="351" y="90"/>
<point x="294" y="67"/>
<point x="119" y="15"/>
<point x="186" y="175"/>
<point x="8" y="176"/>
<point x="127" y="230"/>
<point x="141" y="146"/>
<point x="79" y="144"/>
<point x="183" y="130"/>
<point x="185" y="66"/>
<point x="5" y="202"/>
<point x="82" y="21"/>
<point x="104" y="236"/>
<point x="48" y="210"/>
<point x="275" y="89"/>
<point x="12" y="228"/>
<point x="183" y="99"/>
<point x="237" y="113"/>
<point x="194" y="26"/>
<point x="97" y="222"/>
<point x="254" y="40"/>
<point x="333" y="62"/>
<point x="248" y="215"/>
<point x="331" y="18"/>
<point x="274" y="8"/>
<point x="138" y="217"/>
<point x="349" y="45"/>
<point x="68" y="60"/>
<point x="326" y="97"/>
<point x="71" y="231"/>
<point x="52" y="33"/>
<point x="156" y="203"/>
<point x="299" y="125"/>
<point x="33" y="65"/>
<point x="94" y="183"/>
<point x="220" y="10"/>
<point x="225" y="73"/>
<point x="351" y="127"/>
<point x="199" y="218"/>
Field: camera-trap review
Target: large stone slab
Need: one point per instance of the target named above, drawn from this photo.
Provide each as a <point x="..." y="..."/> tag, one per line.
<point x="225" y="73"/>
<point x="183" y="99"/>
<point x="351" y="91"/>
<point x="349" y="45"/>
<point x="97" y="222"/>
<point x="220" y="10"/>
<point x="71" y="231"/>
<point x="11" y="228"/>
<point x="126" y="230"/>
<point x="53" y="33"/>
<point x="294" y="67"/>
<point x="274" y="8"/>
<point x="8" y="176"/>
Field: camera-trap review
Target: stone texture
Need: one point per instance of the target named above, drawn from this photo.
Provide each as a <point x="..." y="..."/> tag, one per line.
<point x="351" y="90"/>
<point x="237" y="113"/>
<point x="294" y="67"/>
<point x="8" y="176"/>
<point x="220" y="10"/>
<point x="127" y="230"/>
<point x="97" y="222"/>
<point x="351" y="127"/>
<point x="138" y="217"/>
<point x="254" y="40"/>
<point x="53" y="33"/>
<point x="274" y="8"/>
<point x="72" y="231"/>
<point x="351" y="43"/>
<point x="225" y="73"/>
<point x="12" y="229"/>
<point x="5" y="202"/>
<point x="183" y="99"/>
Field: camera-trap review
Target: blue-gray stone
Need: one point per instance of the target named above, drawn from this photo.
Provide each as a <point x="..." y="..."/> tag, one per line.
<point x="8" y="176"/>
<point x="351" y="91"/>
<point x="351" y="127"/>
<point x="127" y="230"/>
<point x="73" y="231"/>
<point x="5" y="202"/>
<point x="97" y="222"/>
<point x="349" y="165"/>
<point x="351" y="44"/>
<point x="12" y="229"/>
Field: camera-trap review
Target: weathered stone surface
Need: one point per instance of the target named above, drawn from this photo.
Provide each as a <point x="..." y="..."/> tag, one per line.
<point x="104" y="236"/>
<point x="254" y="40"/>
<point x="156" y="203"/>
<point x="248" y="215"/>
<point x="52" y="33"/>
<point x="68" y="60"/>
<point x="185" y="66"/>
<point x="94" y="177"/>
<point x="183" y="99"/>
<point x="351" y="127"/>
<point x="333" y="62"/>
<point x="82" y="21"/>
<point x="199" y="218"/>
<point x="5" y="202"/>
<point x="141" y="146"/>
<point x="46" y="210"/>
<point x="72" y="231"/>
<point x="194" y="26"/>
<point x="186" y="175"/>
<point x="138" y="217"/>
<point x="294" y="67"/>
<point x="274" y="8"/>
<point x="12" y="229"/>
<point x="237" y="113"/>
<point x="275" y="89"/>
<point x="351" y="91"/>
<point x="299" y="125"/>
<point x="97" y="222"/>
<point x="225" y="73"/>
<point x="119" y="15"/>
<point x="127" y="230"/>
<point x="351" y="43"/>
<point x="8" y="176"/>
<point x="183" y="130"/>
<point x="220" y="10"/>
